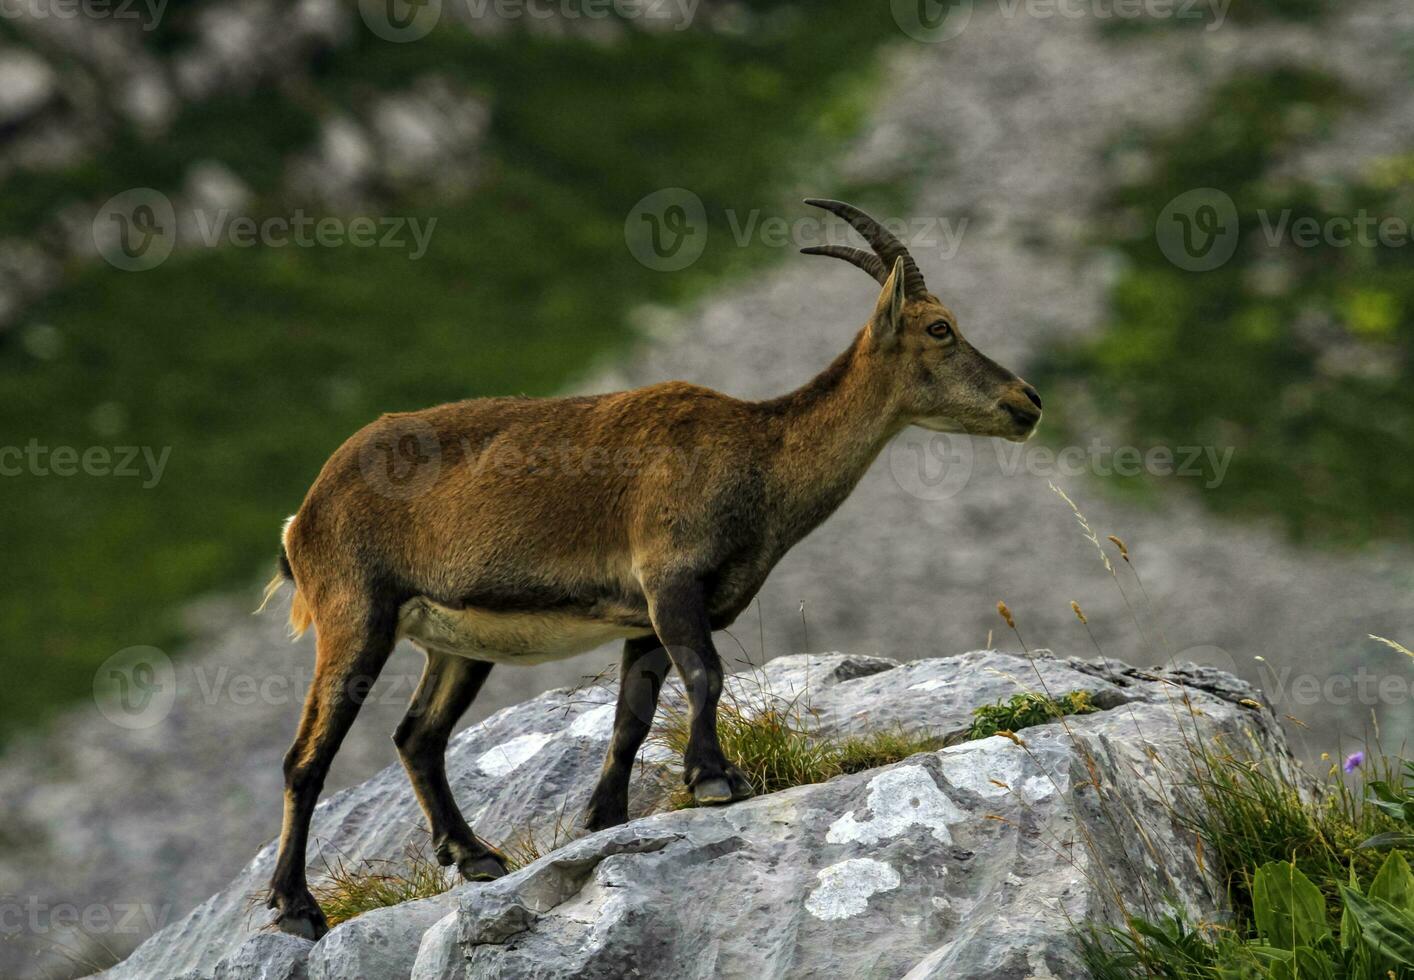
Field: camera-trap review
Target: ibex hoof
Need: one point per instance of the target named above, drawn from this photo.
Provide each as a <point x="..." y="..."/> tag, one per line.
<point x="301" y="917"/>
<point x="712" y="791"/>
<point x="487" y="867"/>
<point x="304" y="926"/>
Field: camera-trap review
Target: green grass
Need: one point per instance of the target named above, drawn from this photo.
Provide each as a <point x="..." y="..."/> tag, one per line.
<point x="1296" y="357"/>
<point x="1290" y="861"/>
<point x="346" y="891"/>
<point x="252" y="365"/>
<point x="771" y="740"/>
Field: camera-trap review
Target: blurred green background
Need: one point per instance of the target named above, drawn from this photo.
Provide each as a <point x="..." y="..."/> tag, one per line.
<point x="254" y="364"/>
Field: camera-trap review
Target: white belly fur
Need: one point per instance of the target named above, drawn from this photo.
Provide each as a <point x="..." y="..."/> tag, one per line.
<point x="505" y="637"/>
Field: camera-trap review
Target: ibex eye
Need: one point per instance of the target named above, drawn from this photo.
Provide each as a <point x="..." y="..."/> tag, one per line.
<point x="942" y="330"/>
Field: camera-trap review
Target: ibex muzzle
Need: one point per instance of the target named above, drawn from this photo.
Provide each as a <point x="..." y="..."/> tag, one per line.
<point x="517" y="530"/>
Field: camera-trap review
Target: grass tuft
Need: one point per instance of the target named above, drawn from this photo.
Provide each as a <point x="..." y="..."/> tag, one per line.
<point x="349" y="890"/>
<point x="773" y="743"/>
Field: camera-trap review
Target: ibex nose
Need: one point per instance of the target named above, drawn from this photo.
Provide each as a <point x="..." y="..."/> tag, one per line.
<point x="1032" y="394"/>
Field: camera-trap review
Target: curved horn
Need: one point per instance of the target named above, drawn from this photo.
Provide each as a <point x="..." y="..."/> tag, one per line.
<point x="867" y="261"/>
<point x="884" y="244"/>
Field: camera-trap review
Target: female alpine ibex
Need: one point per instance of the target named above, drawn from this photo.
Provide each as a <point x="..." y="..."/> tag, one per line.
<point x="522" y="530"/>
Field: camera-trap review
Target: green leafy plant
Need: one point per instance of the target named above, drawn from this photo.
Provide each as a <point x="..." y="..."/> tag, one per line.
<point x="1396" y="800"/>
<point x="1293" y="937"/>
<point x="1025" y="710"/>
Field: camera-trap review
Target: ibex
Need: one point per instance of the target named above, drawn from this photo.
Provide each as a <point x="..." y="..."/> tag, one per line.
<point x="535" y="529"/>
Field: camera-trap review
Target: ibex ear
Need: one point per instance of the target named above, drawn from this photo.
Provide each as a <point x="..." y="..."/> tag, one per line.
<point x="887" y="325"/>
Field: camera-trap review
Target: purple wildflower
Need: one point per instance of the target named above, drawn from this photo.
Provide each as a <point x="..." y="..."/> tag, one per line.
<point x="1354" y="761"/>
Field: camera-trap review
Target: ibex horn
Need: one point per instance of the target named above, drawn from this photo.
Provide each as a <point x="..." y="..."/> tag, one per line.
<point x="867" y="261"/>
<point x="885" y="245"/>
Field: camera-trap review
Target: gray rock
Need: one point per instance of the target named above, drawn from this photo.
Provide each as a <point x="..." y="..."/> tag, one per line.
<point x="378" y="945"/>
<point x="440" y="953"/>
<point x="267" y="956"/>
<point x="969" y="861"/>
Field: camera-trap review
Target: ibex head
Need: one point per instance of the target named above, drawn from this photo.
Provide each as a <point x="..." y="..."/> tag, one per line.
<point x="941" y="381"/>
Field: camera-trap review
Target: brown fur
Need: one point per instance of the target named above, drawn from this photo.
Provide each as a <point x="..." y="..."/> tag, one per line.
<point x="654" y="514"/>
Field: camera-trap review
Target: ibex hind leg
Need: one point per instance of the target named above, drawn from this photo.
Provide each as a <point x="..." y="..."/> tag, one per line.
<point x="642" y="670"/>
<point x="449" y="684"/>
<point x="353" y="643"/>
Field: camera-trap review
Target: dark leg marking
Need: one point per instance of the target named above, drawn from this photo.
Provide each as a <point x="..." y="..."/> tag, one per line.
<point x="348" y="661"/>
<point x="680" y="618"/>
<point x="641" y="673"/>
<point x="449" y="684"/>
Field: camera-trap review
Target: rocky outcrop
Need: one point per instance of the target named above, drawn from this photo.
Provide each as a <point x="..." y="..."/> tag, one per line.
<point x="975" y="860"/>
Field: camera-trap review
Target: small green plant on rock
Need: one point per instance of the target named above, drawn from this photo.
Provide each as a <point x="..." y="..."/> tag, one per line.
<point x="1026" y="710"/>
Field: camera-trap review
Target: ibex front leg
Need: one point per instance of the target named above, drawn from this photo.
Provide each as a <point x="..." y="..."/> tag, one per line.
<point x="679" y="613"/>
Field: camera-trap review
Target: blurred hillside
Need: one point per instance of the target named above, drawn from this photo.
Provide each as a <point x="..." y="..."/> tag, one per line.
<point x="518" y="147"/>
